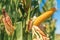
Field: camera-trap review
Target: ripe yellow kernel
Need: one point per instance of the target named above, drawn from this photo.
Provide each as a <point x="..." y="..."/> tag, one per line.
<point x="44" y="16"/>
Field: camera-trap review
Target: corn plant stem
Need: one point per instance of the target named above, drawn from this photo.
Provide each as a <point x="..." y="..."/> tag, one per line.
<point x="30" y="36"/>
<point x="2" y="34"/>
<point x="24" y="26"/>
<point x="28" y="17"/>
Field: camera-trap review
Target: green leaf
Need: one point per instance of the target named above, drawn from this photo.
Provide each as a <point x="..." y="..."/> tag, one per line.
<point x="19" y="30"/>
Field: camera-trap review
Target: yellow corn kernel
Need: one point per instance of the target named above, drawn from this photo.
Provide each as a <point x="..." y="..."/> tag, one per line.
<point x="44" y="16"/>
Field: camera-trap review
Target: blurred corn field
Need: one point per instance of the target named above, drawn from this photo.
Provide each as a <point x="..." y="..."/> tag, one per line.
<point x="20" y="12"/>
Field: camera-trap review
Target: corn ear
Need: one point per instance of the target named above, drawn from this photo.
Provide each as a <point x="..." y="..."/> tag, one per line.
<point x="44" y="16"/>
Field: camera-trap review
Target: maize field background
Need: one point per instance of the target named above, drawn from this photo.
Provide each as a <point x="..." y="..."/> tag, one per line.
<point x="20" y="12"/>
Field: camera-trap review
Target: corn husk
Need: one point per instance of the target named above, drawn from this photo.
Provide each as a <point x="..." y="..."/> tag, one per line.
<point x="8" y="25"/>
